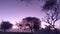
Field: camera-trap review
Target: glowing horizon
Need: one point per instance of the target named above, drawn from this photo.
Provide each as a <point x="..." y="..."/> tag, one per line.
<point x="14" y="11"/>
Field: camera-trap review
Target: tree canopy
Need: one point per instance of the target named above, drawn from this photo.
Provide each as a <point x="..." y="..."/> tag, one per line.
<point x="6" y="25"/>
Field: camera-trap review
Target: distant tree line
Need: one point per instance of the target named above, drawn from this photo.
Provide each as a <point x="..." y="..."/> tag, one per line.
<point x="51" y="8"/>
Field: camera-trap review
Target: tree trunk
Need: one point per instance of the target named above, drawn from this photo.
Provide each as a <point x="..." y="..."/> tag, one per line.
<point x="4" y="30"/>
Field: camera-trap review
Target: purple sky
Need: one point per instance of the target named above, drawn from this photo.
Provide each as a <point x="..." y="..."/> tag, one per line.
<point x="14" y="11"/>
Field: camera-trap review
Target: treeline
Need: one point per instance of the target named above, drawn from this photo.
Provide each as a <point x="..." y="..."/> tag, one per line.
<point x="34" y="25"/>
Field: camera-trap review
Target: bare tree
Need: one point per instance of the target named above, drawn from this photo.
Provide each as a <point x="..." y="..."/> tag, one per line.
<point x="52" y="13"/>
<point x="52" y="18"/>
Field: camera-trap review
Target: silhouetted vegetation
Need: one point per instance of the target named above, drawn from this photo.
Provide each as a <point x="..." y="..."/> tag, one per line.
<point x="33" y="22"/>
<point x="49" y="4"/>
<point x="52" y="13"/>
<point x="6" y="25"/>
<point x="29" y="1"/>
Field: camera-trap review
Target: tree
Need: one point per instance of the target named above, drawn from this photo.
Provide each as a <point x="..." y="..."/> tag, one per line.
<point x="49" y="4"/>
<point x="37" y="24"/>
<point x="29" y="1"/>
<point x="28" y="20"/>
<point x="6" y="25"/>
<point x="52" y="12"/>
<point x="33" y="21"/>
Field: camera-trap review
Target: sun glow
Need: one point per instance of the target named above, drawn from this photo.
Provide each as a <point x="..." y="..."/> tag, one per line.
<point x="15" y="27"/>
<point x="43" y="24"/>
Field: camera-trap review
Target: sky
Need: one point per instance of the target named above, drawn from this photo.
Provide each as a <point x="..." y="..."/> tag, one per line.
<point x="14" y="10"/>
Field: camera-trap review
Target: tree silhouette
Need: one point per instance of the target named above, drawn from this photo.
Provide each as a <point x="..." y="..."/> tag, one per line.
<point x="20" y="26"/>
<point x="49" y="4"/>
<point x="36" y="22"/>
<point x="33" y="21"/>
<point x="52" y="13"/>
<point x="6" y="25"/>
<point x="28" y="20"/>
<point x="29" y="1"/>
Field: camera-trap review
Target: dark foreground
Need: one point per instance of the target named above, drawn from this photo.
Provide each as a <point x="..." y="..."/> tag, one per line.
<point x="15" y="33"/>
<point x="37" y="32"/>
